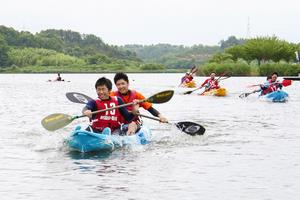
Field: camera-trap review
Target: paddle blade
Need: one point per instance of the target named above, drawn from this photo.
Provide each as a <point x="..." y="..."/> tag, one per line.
<point x="161" y="97"/>
<point x="188" y="92"/>
<point x="191" y="128"/>
<point x="244" y="95"/>
<point x="56" y="121"/>
<point x="78" y="97"/>
<point x="286" y="82"/>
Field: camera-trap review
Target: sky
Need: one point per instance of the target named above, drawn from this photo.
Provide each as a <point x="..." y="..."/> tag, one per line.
<point x="177" y="22"/>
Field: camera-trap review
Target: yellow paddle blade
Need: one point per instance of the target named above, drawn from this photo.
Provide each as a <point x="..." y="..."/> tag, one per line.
<point x="161" y="97"/>
<point x="56" y="121"/>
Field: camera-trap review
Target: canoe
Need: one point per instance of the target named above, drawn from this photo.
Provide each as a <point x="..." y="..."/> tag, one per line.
<point x="191" y="84"/>
<point x="221" y="92"/>
<point x="276" y="96"/>
<point x="85" y="141"/>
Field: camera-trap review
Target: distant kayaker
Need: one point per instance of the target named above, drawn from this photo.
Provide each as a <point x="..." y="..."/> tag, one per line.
<point x="210" y="83"/>
<point x="189" y="76"/>
<point x="110" y="119"/>
<point x="127" y="95"/>
<point x="59" y="77"/>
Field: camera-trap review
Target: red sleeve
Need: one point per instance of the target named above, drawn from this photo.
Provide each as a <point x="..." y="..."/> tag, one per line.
<point x="204" y="82"/>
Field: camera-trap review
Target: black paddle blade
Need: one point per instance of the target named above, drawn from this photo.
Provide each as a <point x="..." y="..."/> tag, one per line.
<point x="78" y="97"/>
<point x="244" y="95"/>
<point x="188" y="92"/>
<point x="191" y="128"/>
<point x="161" y="97"/>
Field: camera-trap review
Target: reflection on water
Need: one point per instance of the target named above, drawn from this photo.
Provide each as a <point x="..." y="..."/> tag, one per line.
<point x="248" y="145"/>
<point x="90" y="155"/>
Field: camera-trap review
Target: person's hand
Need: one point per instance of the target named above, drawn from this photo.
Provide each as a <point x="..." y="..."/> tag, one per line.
<point x="88" y="113"/>
<point x="162" y="119"/>
<point x="135" y="107"/>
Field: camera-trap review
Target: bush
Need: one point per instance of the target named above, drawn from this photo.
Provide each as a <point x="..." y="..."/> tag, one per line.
<point x="240" y="68"/>
<point x="283" y="69"/>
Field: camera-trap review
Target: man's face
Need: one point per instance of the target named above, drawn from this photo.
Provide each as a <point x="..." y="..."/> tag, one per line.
<point x="102" y="92"/>
<point x="274" y="77"/>
<point x="122" y="86"/>
<point x="212" y="75"/>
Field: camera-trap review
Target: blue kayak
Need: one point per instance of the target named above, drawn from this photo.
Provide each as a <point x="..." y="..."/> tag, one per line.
<point x="85" y="141"/>
<point x="277" y="96"/>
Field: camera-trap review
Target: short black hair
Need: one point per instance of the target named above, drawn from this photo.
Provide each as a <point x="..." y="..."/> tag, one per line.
<point x="104" y="81"/>
<point x="275" y="73"/>
<point x="119" y="76"/>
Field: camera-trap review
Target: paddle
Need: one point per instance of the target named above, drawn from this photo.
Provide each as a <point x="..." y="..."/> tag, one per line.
<point x="244" y="95"/>
<point x="190" y="128"/>
<point x="286" y="82"/>
<point x="292" y="78"/>
<point x="78" y="97"/>
<point x="58" y="120"/>
<point x="218" y="79"/>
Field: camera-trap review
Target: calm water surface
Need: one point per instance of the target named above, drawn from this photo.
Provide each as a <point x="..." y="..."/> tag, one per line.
<point x="250" y="150"/>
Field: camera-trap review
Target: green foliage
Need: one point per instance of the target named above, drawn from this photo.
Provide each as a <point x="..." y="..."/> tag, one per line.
<point x="264" y="49"/>
<point x="173" y="56"/>
<point x="41" y="57"/>
<point x="221" y="58"/>
<point x="4" y="59"/>
<point x="231" y="68"/>
<point x="64" y="41"/>
<point x="283" y="69"/>
<point x="98" y="59"/>
<point x="151" y="66"/>
<point x="231" y="41"/>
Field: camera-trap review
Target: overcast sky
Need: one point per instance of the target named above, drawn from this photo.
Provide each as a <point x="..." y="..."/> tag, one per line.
<point x="186" y="22"/>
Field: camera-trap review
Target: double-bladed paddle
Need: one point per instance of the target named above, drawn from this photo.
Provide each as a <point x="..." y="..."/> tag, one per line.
<point x="187" y="127"/>
<point x="59" y="120"/>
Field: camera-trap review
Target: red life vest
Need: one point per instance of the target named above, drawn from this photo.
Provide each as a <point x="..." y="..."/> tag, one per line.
<point x="188" y="79"/>
<point x="272" y="87"/>
<point x="132" y="96"/>
<point x="213" y="84"/>
<point x="109" y="118"/>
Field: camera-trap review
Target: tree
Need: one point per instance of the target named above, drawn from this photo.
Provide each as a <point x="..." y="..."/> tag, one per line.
<point x="231" y="41"/>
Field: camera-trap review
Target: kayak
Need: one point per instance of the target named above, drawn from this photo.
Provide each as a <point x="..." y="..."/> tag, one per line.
<point x="191" y="84"/>
<point x="85" y="141"/>
<point x="221" y="92"/>
<point x="276" y="96"/>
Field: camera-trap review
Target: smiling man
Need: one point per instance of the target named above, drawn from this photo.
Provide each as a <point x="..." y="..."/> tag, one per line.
<point x="122" y="83"/>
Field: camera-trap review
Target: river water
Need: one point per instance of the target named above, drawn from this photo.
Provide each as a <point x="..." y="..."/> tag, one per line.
<point x="250" y="149"/>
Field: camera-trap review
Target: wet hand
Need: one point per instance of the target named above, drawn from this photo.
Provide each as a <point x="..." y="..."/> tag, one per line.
<point x="135" y="107"/>
<point x="162" y="119"/>
<point x="88" y="113"/>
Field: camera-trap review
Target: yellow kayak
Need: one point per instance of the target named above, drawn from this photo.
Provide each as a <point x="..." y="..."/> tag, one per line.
<point x="191" y="84"/>
<point x="221" y="92"/>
